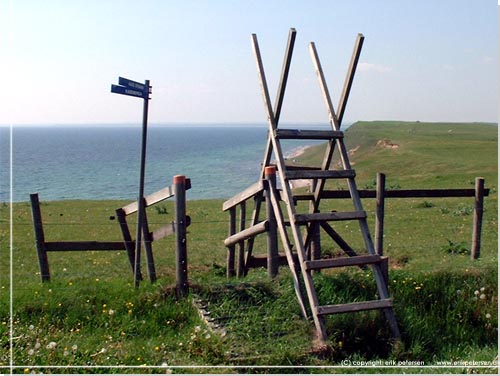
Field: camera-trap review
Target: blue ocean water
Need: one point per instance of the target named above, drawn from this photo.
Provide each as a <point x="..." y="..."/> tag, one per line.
<point x="102" y="162"/>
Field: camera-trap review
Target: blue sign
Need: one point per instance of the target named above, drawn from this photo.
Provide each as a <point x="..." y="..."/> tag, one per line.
<point x="125" y="91"/>
<point x="132" y="84"/>
<point x="132" y="88"/>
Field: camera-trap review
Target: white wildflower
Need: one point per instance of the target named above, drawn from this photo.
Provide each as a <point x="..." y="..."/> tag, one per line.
<point x="482" y="296"/>
<point x="51" y="345"/>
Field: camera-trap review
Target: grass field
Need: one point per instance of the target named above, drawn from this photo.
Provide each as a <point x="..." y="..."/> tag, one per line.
<point x="91" y="318"/>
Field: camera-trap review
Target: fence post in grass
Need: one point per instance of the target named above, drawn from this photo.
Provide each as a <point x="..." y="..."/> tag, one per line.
<point x="241" y="244"/>
<point x="180" y="234"/>
<point x="231" y="249"/>
<point x="272" y="232"/>
<point x="379" y="214"/>
<point x="478" y="219"/>
<point x="40" y="238"/>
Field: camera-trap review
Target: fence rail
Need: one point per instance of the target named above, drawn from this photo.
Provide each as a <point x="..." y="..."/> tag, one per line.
<point x="258" y="191"/>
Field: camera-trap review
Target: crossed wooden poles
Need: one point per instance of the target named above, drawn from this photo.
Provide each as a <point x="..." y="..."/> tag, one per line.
<point x="307" y="254"/>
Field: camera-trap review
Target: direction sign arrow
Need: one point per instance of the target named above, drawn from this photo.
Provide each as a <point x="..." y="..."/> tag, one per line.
<point x="132" y="84"/>
<point x="132" y="92"/>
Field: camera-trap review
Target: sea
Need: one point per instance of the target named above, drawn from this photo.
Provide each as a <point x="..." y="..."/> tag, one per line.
<point x="95" y="162"/>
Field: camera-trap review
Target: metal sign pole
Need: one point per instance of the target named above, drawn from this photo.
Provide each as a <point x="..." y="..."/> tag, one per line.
<point x="138" y="90"/>
<point x="140" y="200"/>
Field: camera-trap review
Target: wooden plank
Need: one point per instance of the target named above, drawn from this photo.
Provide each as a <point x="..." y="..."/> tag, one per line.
<point x="320" y="174"/>
<point x="358" y="45"/>
<point x="230" y="261"/>
<point x="272" y="233"/>
<point x="353" y="307"/>
<point x="179" y="187"/>
<point x="296" y="167"/>
<point x="280" y="95"/>
<point x="338" y="239"/>
<point x="152" y="199"/>
<point x="261" y="261"/>
<point x="379" y="214"/>
<point x="149" y="250"/>
<point x="254" y="189"/>
<point x="300" y="134"/>
<point x="400" y="193"/>
<point x="247" y="233"/>
<point x="292" y="261"/>
<point x="85" y="246"/>
<point x="333" y="216"/>
<point x="241" y="243"/>
<point x="127" y="237"/>
<point x="43" y="261"/>
<point x="478" y="218"/>
<point x="342" y="262"/>
<point x="255" y="219"/>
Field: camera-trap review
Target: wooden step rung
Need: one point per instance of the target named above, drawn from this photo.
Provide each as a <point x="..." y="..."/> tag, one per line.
<point x="343" y="261"/>
<point x="320" y="174"/>
<point x="353" y="307"/>
<point x="247" y="233"/>
<point x="333" y="216"/>
<point x="300" y="134"/>
<point x="301" y="168"/>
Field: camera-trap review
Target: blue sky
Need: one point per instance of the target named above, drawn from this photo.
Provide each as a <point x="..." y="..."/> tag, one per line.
<point x="424" y="60"/>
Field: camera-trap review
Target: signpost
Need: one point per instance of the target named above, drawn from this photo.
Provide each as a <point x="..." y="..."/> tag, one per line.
<point x="139" y="90"/>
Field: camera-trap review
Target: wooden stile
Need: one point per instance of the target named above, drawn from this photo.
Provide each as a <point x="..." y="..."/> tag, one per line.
<point x="303" y="248"/>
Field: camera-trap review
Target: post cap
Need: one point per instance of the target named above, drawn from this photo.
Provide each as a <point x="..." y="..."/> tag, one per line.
<point x="179" y="179"/>
<point x="270" y="170"/>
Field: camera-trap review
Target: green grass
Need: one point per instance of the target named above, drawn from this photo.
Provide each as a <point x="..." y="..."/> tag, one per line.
<point x="90" y="315"/>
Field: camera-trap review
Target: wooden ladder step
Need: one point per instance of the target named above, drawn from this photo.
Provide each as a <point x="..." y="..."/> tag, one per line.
<point x="247" y="233"/>
<point x="343" y="261"/>
<point x="320" y="174"/>
<point x="353" y="307"/>
<point x="299" y="134"/>
<point x="333" y="216"/>
<point x="296" y="167"/>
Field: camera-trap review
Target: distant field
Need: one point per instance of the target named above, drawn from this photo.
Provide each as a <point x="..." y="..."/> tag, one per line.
<point x="446" y="305"/>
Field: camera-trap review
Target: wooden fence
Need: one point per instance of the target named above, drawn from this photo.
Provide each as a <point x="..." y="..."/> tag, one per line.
<point x="381" y="194"/>
<point x="177" y="227"/>
<point x="259" y="191"/>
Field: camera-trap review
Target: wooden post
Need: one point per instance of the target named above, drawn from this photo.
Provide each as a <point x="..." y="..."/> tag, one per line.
<point x="127" y="237"/>
<point x="272" y="232"/>
<point x="379" y="214"/>
<point x="478" y="219"/>
<point x="149" y="249"/>
<point x="40" y="238"/>
<point x="231" y="250"/>
<point x="180" y="234"/>
<point x="241" y="244"/>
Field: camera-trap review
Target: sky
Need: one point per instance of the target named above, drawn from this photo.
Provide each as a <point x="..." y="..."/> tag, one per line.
<point x="426" y="60"/>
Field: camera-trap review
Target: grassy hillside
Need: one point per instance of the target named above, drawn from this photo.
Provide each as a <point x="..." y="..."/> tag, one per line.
<point x="421" y="155"/>
<point x="91" y="316"/>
